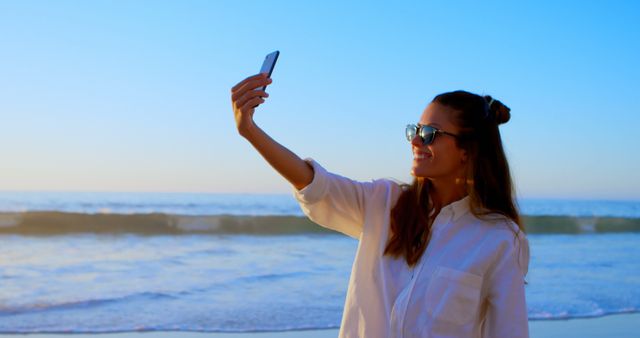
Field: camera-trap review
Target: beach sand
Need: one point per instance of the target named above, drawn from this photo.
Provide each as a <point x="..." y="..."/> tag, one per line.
<point x="613" y="326"/>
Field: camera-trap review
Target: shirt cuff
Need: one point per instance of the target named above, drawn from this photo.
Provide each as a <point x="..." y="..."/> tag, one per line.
<point x="315" y="190"/>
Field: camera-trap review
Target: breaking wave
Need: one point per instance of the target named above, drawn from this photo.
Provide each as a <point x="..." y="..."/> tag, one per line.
<point x="60" y="223"/>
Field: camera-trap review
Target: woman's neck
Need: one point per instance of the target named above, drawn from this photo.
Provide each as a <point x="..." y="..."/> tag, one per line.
<point x="446" y="192"/>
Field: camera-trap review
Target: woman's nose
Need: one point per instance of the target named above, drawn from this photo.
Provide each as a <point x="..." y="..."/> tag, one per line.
<point x="416" y="141"/>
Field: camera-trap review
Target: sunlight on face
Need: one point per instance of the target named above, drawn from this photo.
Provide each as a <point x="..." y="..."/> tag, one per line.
<point x="442" y="159"/>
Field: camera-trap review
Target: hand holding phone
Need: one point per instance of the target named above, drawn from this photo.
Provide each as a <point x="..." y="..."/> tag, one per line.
<point x="267" y="67"/>
<point x="268" y="64"/>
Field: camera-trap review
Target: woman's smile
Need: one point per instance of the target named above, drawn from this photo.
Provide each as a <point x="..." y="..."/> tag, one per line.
<point x="420" y="155"/>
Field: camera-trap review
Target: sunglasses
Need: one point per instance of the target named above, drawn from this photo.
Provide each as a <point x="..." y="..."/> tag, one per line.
<point x="427" y="133"/>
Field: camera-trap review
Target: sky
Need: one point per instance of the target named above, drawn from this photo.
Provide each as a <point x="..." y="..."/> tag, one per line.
<point x="135" y="95"/>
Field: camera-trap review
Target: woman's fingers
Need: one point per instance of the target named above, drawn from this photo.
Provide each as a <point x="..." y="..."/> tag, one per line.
<point x="250" y="95"/>
<point x="245" y="97"/>
<point x="250" y="78"/>
<point x="254" y="102"/>
<point x="248" y="84"/>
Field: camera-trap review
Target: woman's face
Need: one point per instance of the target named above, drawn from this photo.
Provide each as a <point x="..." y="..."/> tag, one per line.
<point x="441" y="159"/>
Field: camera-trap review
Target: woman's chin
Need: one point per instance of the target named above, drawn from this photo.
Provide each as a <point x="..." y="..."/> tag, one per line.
<point x="417" y="172"/>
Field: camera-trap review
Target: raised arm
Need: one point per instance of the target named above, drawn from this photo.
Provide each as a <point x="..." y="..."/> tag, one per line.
<point x="245" y="98"/>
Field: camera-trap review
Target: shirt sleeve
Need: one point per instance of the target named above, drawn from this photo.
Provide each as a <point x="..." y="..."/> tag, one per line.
<point x="506" y="315"/>
<point x="333" y="201"/>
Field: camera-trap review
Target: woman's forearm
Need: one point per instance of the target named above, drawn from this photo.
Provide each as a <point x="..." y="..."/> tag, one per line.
<point x="295" y="170"/>
<point x="245" y="97"/>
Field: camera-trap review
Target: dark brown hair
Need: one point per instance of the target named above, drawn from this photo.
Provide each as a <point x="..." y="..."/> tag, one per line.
<point x="488" y="178"/>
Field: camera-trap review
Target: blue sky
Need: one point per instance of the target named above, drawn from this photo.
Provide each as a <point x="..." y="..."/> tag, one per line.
<point x="134" y="95"/>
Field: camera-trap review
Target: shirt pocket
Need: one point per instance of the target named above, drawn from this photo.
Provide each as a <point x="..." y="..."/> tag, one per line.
<point x="453" y="296"/>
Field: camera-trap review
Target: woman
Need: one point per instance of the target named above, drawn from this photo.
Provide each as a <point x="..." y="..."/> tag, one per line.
<point x="443" y="257"/>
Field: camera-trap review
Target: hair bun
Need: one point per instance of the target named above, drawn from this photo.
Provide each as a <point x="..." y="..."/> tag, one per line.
<point x="497" y="110"/>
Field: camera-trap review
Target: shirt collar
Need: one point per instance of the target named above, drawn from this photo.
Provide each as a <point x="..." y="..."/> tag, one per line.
<point x="457" y="209"/>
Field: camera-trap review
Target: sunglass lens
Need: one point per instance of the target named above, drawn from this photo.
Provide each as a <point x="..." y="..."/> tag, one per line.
<point x="426" y="134"/>
<point x="410" y="132"/>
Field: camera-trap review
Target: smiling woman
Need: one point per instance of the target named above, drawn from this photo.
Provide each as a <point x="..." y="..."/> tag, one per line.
<point x="443" y="257"/>
<point x="468" y="159"/>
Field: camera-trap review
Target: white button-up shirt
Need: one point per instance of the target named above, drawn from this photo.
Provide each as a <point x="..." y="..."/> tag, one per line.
<point x="468" y="283"/>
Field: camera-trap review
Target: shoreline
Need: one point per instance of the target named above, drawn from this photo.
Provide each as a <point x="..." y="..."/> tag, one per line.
<point x="625" y="325"/>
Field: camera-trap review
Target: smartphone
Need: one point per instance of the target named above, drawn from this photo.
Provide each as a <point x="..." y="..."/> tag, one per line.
<point x="268" y="64"/>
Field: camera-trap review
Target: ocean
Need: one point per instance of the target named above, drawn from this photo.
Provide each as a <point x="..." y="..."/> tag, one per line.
<point x="117" y="262"/>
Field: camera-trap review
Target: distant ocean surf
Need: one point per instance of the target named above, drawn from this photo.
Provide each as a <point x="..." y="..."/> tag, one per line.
<point x="31" y="213"/>
<point x="107" y="262"/>
<point x="60" y="223"/>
